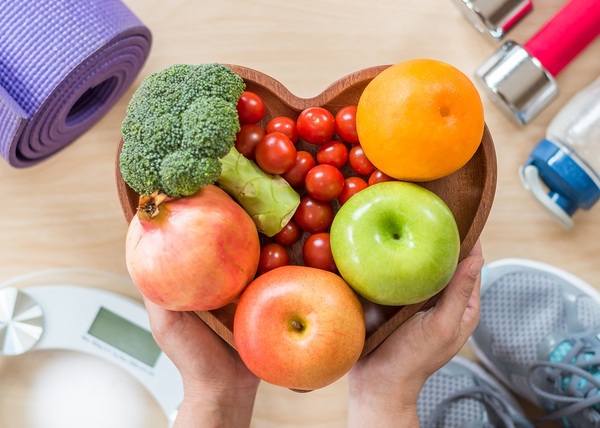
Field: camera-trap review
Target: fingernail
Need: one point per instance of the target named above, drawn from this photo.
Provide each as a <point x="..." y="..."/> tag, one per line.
<point x="475" y="268"/>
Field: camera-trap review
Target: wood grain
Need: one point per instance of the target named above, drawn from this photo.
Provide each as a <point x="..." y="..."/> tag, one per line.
<point x="468" y="192"/>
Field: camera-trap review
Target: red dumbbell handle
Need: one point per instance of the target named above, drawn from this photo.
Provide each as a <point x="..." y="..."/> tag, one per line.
<point x="566" y="34"/>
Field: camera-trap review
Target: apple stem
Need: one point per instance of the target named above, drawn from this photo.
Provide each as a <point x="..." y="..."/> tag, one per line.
<point x="297" y="325"/>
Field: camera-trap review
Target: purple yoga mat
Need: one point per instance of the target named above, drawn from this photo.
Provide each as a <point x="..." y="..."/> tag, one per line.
<point x="63" y="65"/>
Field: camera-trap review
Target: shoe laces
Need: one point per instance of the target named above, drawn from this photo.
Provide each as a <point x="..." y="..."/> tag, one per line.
<point x="569" y="383"/>
<point x="495" y="404"/>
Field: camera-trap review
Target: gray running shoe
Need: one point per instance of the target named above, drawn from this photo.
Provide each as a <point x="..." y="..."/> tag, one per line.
<point x="462" y="395"/>
<point x="539" y="333"/>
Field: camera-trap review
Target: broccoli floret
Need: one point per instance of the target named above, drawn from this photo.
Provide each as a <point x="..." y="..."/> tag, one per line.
<point x="178" y="136"/>
<point x="173" y="89"/>
<point x="217" y="80"/>
<point x="187" y="110"/>
<point x="207" y="120"/>
<point x="140" y="165"/>
<point x="183" y="172"/>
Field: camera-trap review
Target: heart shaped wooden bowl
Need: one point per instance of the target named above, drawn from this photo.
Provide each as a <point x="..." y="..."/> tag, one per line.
<point x="469" y="192"/>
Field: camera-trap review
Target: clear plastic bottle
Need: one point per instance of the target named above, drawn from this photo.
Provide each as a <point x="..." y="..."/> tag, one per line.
<point x="567" y="161"/>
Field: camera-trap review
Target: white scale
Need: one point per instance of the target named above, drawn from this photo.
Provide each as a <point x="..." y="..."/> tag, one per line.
<point x="66" y="315"/>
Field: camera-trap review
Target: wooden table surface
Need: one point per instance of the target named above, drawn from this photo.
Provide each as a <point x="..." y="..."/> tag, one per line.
<point x="64" y="212"/>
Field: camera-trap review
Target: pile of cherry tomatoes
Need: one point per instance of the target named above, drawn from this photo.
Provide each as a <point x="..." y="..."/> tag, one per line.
<point x="326" y="174"/>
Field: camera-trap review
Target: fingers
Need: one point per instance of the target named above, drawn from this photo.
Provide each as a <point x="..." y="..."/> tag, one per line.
<point x="175" y="328"/>
<point x="477" y="252"/>
<point x="462" y="292"/>
<point x="161" y="319"/>
<point x="471" y="315"/>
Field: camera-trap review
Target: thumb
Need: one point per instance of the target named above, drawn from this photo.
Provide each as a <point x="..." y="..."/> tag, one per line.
<point x="457" y="295"/>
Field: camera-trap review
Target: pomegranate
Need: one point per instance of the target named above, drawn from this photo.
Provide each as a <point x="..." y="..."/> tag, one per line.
<point x="192" y="253"/>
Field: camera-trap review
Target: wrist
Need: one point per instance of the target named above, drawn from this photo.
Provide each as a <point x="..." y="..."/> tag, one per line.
<point x="383" y="404"/>
<point x="218" y="408"/>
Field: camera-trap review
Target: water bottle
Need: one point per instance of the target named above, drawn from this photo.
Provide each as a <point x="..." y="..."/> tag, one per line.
<point x="563" y="170"/>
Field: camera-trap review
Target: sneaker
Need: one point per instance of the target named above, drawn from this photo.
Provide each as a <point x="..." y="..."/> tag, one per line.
<point x="539" y="333"/>
<point x="461" y="394"/>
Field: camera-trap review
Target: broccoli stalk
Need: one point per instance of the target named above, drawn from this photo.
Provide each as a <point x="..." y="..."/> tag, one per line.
<point x="266" y="198"/>
<point x="178" y="136"/>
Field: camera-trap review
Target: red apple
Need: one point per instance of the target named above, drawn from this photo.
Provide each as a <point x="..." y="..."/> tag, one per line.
<point x="299" y="327"/>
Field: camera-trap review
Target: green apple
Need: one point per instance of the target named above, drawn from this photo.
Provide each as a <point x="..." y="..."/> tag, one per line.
<point x="395" y="243"/>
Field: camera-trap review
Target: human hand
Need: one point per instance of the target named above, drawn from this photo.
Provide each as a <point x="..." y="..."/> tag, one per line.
<point x="385" y="385"/>
<point x="219" y="390"/>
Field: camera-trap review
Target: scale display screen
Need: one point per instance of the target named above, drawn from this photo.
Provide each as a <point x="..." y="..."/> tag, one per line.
<point x="125" y="336"/>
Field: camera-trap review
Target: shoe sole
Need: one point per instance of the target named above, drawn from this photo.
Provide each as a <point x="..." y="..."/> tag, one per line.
<point x="503" y="264"/>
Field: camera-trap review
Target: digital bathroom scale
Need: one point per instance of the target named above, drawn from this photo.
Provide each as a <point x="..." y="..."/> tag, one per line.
<point x="64" y="310"/>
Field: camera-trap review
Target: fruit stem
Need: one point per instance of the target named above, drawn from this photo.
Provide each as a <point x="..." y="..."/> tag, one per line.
<point x="297" y="325"/>
<point x="148" y="205"/>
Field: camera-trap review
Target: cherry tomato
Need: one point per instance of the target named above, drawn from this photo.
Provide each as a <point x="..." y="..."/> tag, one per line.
<point x="284" y="124"/>
<point x="359" y="161"/>
<point x="345" y="124"/>
<point x="333" y="153"/>
<point x="289" y="235"/>
<point x="251" y="108"/>
<point x="316" y="125"/>
<point x="378" y="176"/>
<point x="352" y="185"/>
<point x="324" y="182"/>
<point x="316" y="252"/>
<point x="313" y="215"/>
<point x="272" y="255"/>
<point x="275" y="153"/>
<point x="247" y="139"/>
<point x="297" y="174"/>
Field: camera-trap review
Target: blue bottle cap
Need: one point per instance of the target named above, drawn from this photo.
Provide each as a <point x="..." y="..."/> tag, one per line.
<point x="571" y="183"/>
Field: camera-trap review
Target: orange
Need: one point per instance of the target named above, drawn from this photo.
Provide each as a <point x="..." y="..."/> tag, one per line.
<point x="420" y="119"/>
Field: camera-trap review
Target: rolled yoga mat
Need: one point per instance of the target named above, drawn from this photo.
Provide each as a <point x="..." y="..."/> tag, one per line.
<point x="63" y="65"/>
